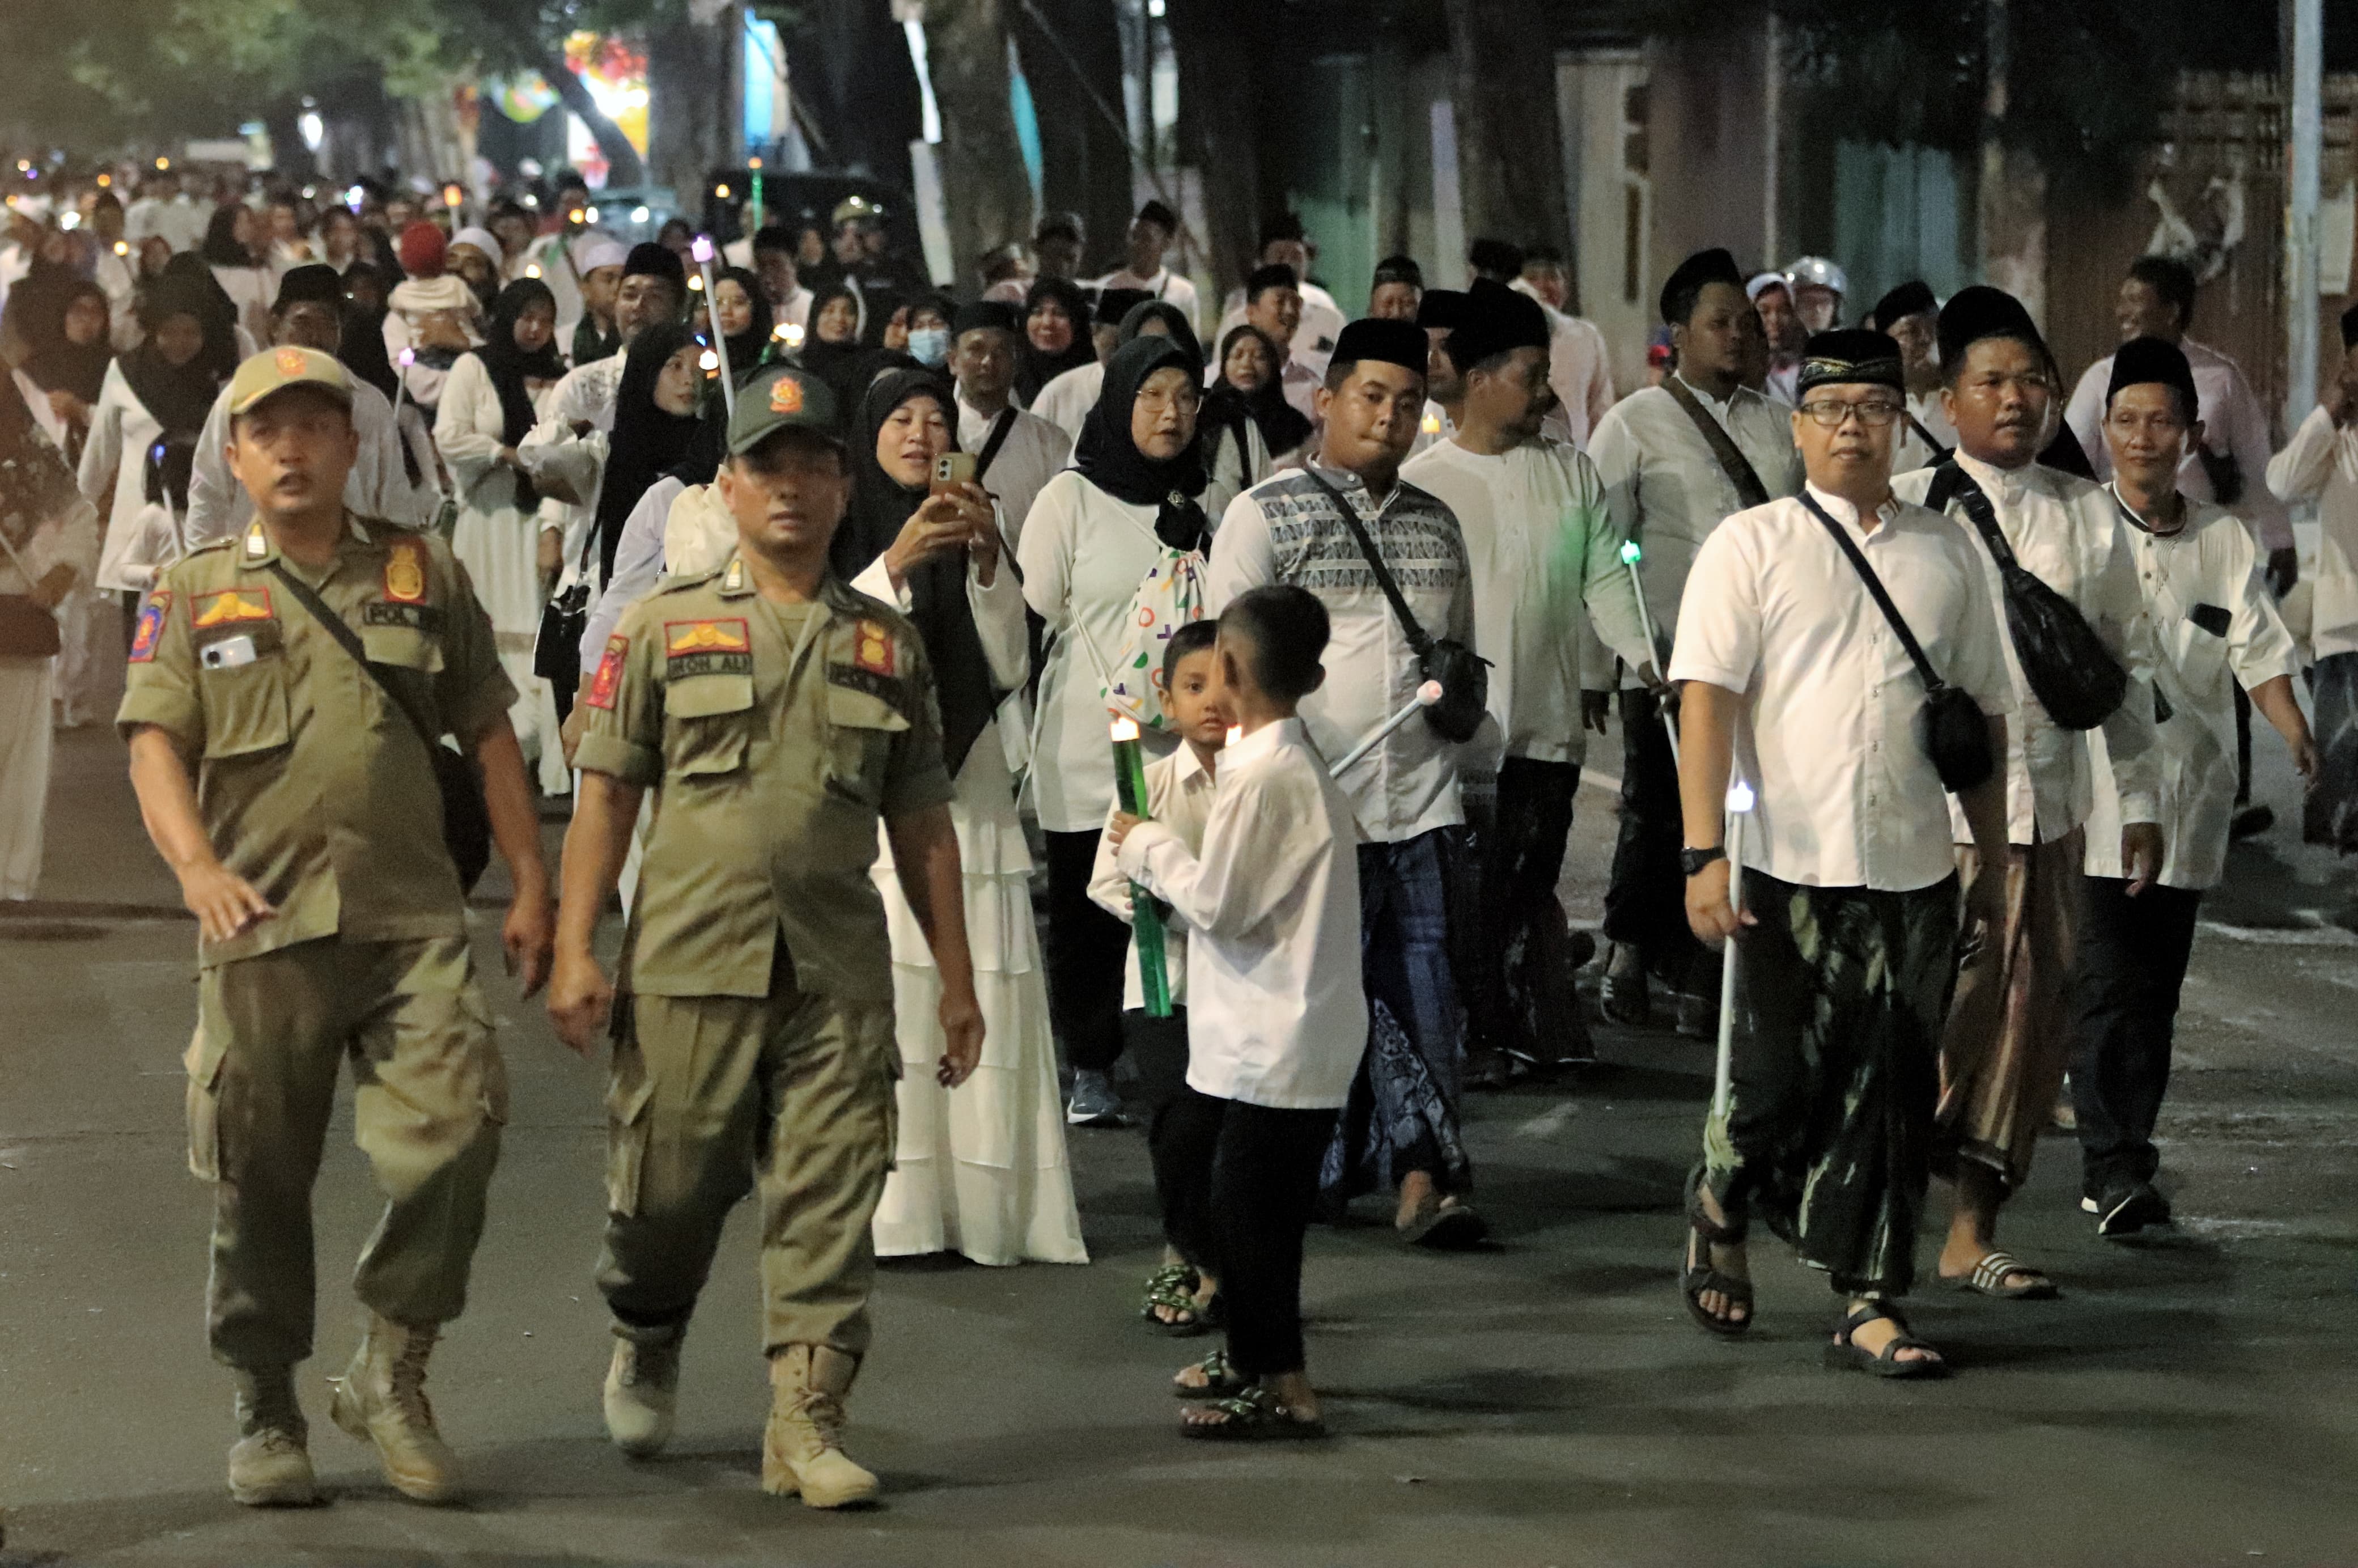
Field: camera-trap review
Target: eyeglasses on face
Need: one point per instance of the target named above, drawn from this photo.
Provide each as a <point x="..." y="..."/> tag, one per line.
<point x="1829" y="413"/>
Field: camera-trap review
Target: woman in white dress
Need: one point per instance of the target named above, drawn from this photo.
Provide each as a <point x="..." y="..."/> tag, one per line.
<point x="230" y="250"/>
<point x="165" y="386"/>
<point x="981" y="1170"/>
<point x="490" y="404"/>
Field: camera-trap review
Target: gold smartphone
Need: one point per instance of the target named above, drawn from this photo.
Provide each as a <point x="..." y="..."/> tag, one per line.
<point x="952" y="469"/>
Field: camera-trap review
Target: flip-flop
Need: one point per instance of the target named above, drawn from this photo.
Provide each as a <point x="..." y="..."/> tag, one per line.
<point x="1254" y="1416"/>
<point x="1451" y="1228"/>
<point x="1988" y="1279"/>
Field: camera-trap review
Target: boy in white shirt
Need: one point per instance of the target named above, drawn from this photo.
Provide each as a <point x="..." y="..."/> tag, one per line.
<point x="1277" y="1016"/>
<point x="1181" y="1294"/>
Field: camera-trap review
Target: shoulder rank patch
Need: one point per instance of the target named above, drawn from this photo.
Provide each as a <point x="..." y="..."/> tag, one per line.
<point x="404" y="572"/>
<point x="608" y="681"/>
<point x="890" y="690"/>
<point x="149" y="630"/>
<point x="872" y="650"/>
<point x="707" y="648"/>
<point x="223" y="606"/>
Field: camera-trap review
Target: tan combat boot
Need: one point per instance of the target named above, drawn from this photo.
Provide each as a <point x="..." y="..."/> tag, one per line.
<point x="268" y="1465"/>
<point x="381" y="1399"/>
<point x="643" y="1388"/>
<point x="802" y="1448"/>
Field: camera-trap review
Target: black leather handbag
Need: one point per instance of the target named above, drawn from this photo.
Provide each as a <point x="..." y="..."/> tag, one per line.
<point x="1950" y="728"/>
<point x="1464" y="675"/>
<point x="2072" y="674"/>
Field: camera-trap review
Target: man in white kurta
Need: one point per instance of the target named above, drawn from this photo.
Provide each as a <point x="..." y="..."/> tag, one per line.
<point x="1545" y="559"/>
<point x="1149" y="237"/>
<point x="1668" y="489"/>
<point x="2215" y="628"/>
<point x="2321" y="464"/>
<point x="983" y="356"/>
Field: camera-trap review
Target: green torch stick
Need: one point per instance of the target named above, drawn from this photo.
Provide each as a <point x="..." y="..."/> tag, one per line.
<point x="1145" y="917"/>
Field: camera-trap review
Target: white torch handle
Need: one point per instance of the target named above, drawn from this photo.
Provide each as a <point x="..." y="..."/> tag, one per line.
<point x="1724" y="1066"/>
<point x="1426" y="695"/>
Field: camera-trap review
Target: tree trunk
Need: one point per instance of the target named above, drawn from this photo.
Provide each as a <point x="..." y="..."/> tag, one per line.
<point x="291" y="159"/>
<point x="2012" y="200"/>
<point x="695" y="89"/>
<point x="862" y="93"/>
<point x="1071" y="51"/>
<point x="1509" y="148"/>
<point x="622" y="165"/>
<point x="983" y="184"/>
<point x="1219" y="133"/>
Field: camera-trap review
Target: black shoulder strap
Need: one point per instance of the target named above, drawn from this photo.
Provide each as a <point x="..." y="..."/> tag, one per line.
<point x="1737" y="466"/>
<point x="1418" y="638"/>
<point x="347" y="638"/>
<point x="1940" y="453"/>
<point x="1875" y="590"/>
<point x="999" y="427"/>
<point x="1953" y="483"/>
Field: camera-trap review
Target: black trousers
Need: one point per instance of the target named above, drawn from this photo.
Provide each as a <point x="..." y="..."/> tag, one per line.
<point x="1182" y="1127"/>
<point x="1264" y="1182"/>
<point x="1513" y="974"/>
<point x="2131" y="962"/>
<point x="1646" y="903"/>
<point x="1087" y="957"/>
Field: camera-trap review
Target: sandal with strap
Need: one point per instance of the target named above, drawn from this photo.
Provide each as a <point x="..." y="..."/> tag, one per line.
<point x="1698" y="1278"/>
<point x="1220" y="1379"/>
<point x="1256" y="1415"/>
<point x="1173" y="1286"/>
<point x="1844" y="1356"/>
<point x="1988" y="1279"/>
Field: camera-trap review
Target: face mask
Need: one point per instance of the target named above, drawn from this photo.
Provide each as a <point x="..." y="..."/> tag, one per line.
<point x="930" y="345"/>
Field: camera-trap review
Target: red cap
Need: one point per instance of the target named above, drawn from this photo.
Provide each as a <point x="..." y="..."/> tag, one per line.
<point x="422" y="249"/>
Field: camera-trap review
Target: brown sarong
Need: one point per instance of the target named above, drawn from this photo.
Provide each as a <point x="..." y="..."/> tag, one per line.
<point x="2010" y="1030"/>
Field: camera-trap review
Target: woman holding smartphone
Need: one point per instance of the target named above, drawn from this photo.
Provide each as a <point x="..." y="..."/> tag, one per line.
<point x="981" y="1170"/>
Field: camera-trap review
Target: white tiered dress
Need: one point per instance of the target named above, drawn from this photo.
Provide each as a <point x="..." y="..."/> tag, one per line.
<point x="979" y="1170"/>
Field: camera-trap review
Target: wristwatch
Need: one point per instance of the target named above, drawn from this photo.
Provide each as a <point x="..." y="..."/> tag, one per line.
<point x="1693" y="860"/>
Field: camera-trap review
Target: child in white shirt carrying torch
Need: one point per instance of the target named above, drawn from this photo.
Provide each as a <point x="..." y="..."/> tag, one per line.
<point x="1277" y="1017"/>
<point x="1183" y="1293"/>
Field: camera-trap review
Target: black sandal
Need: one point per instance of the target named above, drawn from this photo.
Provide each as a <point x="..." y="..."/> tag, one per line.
<point x="1256" y="1415"/>
<point x="1844" y="1356"/>
<point x="1173" y="1286"/>
<point x="1698" y="1278"/>
<point x="1220" y="1381"/>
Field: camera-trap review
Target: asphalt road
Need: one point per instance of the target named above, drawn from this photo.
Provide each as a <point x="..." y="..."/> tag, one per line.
<point x="2190" y="1401"/>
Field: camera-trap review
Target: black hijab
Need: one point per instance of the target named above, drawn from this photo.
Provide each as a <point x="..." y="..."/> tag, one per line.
<point x="220" y="247"/>
<point x="57" y="364"/>
<point x="1109" y="459"/>
<point x="510" y="367"/>
<point x="177" y="397"/>
<point x="938" y="597"/>
<point x="1036" y="369"/>
<point x="1175" y="325"/>
<point x="646" y="441"/>
<point x="746" y="348"/>
<point x="219" y="311"/>
<point x="362" y="346"/>
<point x="1282" y="425"/>
<point x="835" y="363"/>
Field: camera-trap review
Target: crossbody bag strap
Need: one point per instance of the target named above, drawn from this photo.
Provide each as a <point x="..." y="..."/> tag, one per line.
<point x="1001" y="428"/>
<point x="1978" y="512"/>
<point x="31" y="582"/>
<point x="1738" y="467"/>
<point x="1939" y="453"/>
<point x="1876" y="591"/>
<point x="1418" y="637"/>
<point x="335" y="626"/>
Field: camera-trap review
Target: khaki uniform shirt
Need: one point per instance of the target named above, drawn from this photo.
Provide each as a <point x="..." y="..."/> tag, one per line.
<point x="775" y="736"/>
<point x="312" y="786"/>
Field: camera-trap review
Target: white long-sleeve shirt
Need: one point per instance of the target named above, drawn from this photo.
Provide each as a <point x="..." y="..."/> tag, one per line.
<point x="114" y="476"/>
<point x="1668" y="491"/>
<point x="1179" y="795"/>
<point x="1034" y="452"/>
<point x="2321" y="464"/>
<point x="2215" y="626"/>
<point x="1547" y="566"/>
<point x="2232" y="422"/>
<point x="2066" y="532"/>
<point x="1069" y="395"/>
<point x="1277" y="1014"/>
<point x="1285" y="529"/>
<point x="378" y="485"/>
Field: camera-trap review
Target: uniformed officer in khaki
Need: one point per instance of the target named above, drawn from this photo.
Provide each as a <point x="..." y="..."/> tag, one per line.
<point x="298" y="808"/>
<point x="777" y="714"/>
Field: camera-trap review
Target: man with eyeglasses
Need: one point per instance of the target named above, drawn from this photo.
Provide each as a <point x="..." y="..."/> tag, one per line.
<point x="2216" y="631"/>
<point x="2008" y="1033"/>
<point x="1794" y="682"/>
<point x="1676" y="459"/>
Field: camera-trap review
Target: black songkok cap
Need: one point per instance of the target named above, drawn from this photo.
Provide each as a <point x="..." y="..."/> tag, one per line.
<point x="1686" y="281"/>
<point x="1441" y="307"/>
<point x="1980" y="311"/>
<point x="315" y="281"/>
<point x="1276" y="274"/>
<point x="1910" y="299"/>
<point x="1500" y="258"/>
<point x="1399" y="269"/>
<point x="2350" y="328"/>
<point x="1113" y="303"/>
<point x="1496" y="320"/>
<point x="1401" y="343"/>
<point x="648" y="259"/>
<point x="1850" y="356"/>
<point x="2143" y="360"/>
<point x="990" y="314"/>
